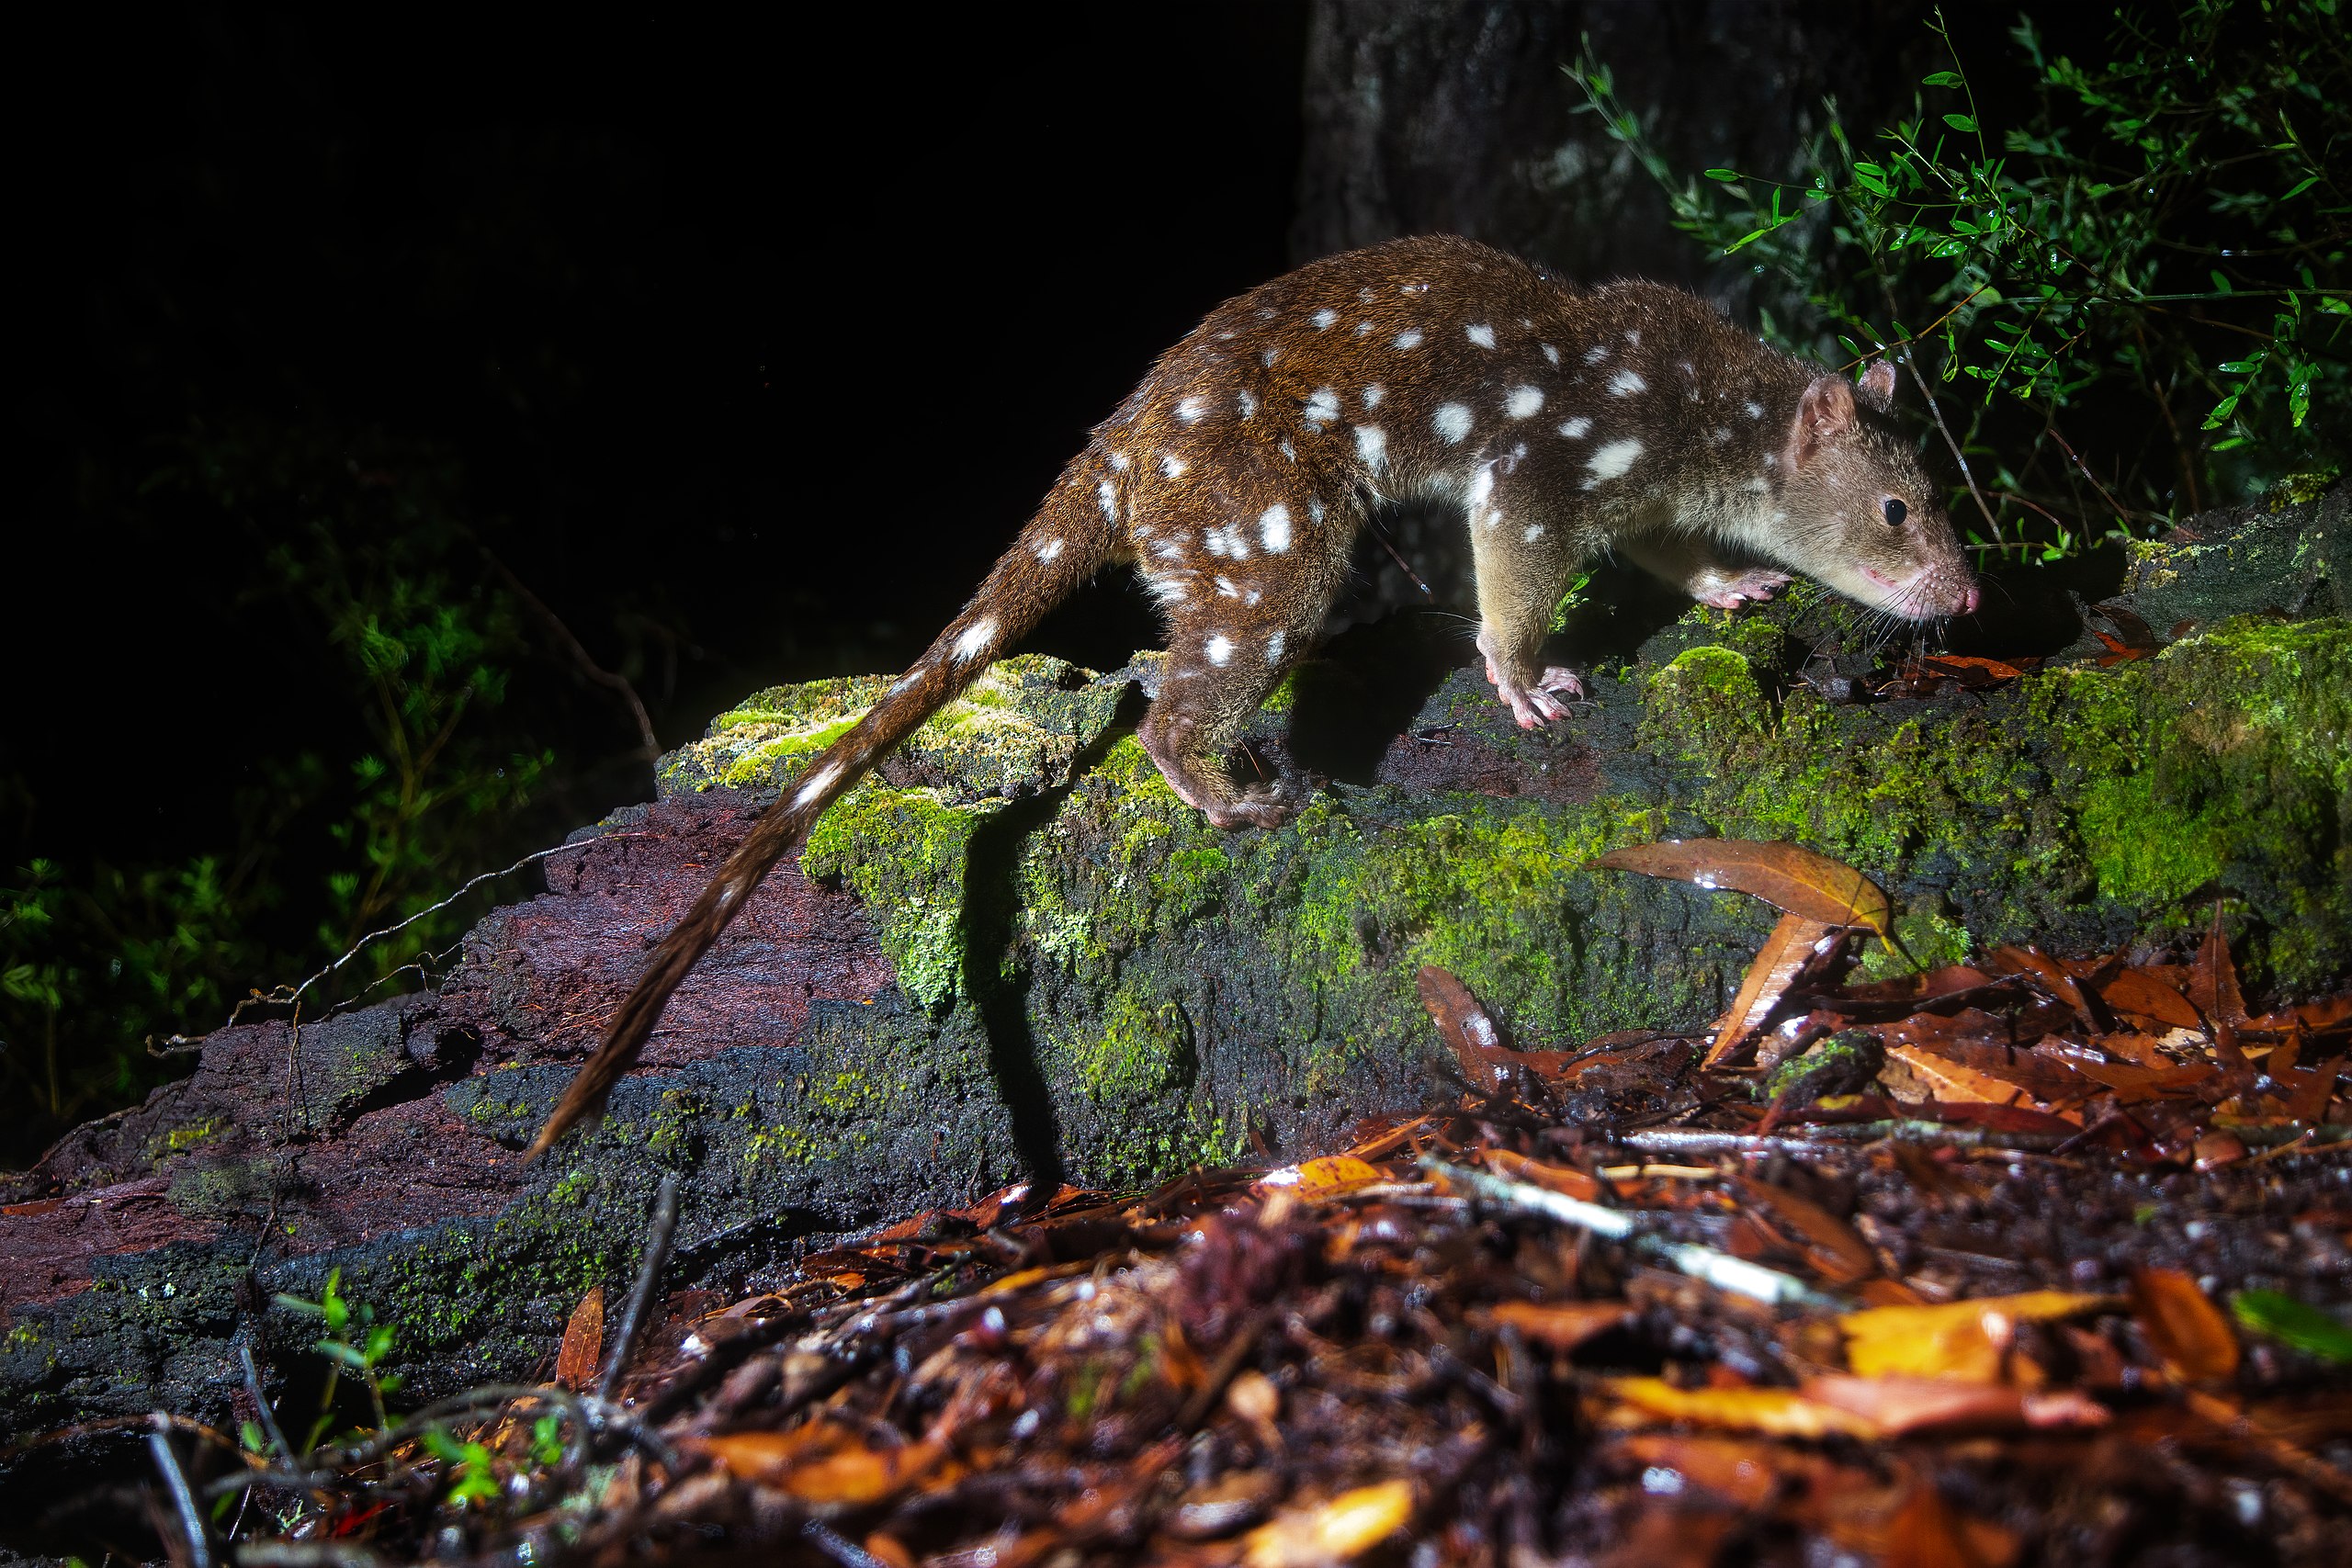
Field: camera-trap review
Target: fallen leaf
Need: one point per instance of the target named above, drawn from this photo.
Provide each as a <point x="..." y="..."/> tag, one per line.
<point x="823" y="1462"/>
<point x="2290" y="1321"/>
<point x="2213" y="979"/>
<point x="2183" y="1325"/>
<point x="1344" y="1527"/>
<point x="1333" y="1176"/>
<point x="1948" y="1080"/>
<point x="1928" y="1532"/>
<point x="1787" y="875"/>
<point x="1902" y="1405"/>
<point x="1778" y="1412"/>
<point x="1837" y="1253"/>
<point x="1466" y="1028"/>
<point x="1778" y="964"/>
<point x="1963" y="1340"/>
<point x="1562" y="1179"/>
<point x="583" y="1342"/>
<point x="2140" y="994"/>
<point x="1561" y="1325"/>
<point x="1741" y="1469"/>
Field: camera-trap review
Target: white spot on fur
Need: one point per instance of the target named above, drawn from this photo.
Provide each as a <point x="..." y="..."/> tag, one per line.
<point x="1323" y="406"/>
<point x="1287" y="450"/>
<point x="1049" y="550"/>
<point x="1274" y="528"/>
<point x="1524" y="403"/>
<point x="1596" y="353"/>
<point x="1172" y="465"/>
<point x="1759" y="487"/>
<point x="1574" y="429"/>
<point x="1119" y="461"/>
<point x="1274" y="648"/>
<point x="1108" y="495"/>
<point x="1534" y="532"/>
<point x="1168" y="549"/>
<point x="1226" y="588"/>
<point x="975" y="642"/>
<point x="1226" y="540"/>
<point x="1218" y="650"/>
<point x="1451" y="421"/>
<point x="1371" y="447"/>
<point x="1409" y="338"/>
<point x="1372" y="394"/>
<point x="1635" y="338"/>
<point x="1315" y="508"/>
<point x="1720" y="435"/>
<point x="1323" y="319"/>
<point x="1610" y="461"/>
<point x="819" y="782"/>
<point x="1167" y="590"/>
<point x="1550" y="353"/>
<point x="1363" y="329"/>
<point x="1480" y="333"/>
<point x="1249" y="404"/>
<point x="1626" y="383"/>
<point x="1268" y="359"/>
<point x="1771" y="459"/>
<point x="1190" y="409"/>
<point x="1482" y="485"/>
<point x="1756" y="410"/>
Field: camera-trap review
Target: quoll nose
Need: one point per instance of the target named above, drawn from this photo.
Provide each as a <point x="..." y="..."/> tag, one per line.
<point x="1969" y="598"/>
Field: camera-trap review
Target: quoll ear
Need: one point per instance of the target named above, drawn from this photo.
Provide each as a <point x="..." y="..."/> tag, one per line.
<point x="1878" y="385"/>
<point x="1824" y="414"/>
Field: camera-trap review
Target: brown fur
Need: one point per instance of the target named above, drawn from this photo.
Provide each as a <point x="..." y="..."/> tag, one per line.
<point x="1237" y="478"/>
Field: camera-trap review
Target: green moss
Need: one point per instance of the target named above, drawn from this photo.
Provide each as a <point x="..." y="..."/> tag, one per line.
<point x="903" y="852"/>
<point x="1142" y="1049"/>
<point x="179" y="1140"/>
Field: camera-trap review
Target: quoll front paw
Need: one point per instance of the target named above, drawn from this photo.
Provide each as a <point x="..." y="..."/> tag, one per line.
<point x="1727" y="593"/>
<point x="1534" y="706"/>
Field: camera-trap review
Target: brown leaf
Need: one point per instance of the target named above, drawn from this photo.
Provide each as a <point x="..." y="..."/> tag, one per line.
<point x="1787" y="875"/>
<point x="2054" y="978"/>
<point x="1562" y="1179"/>
<point x="1778" y="964"/>
<point x="2183" y="1325"/>
<point x="1742" y="1470"/>
<point x="2140" y="994"/>
<point x="1466" y="1028"/>
<point x="1837" y="1253"/>
<point x="823" y="1462"/>
<point x="583" y="1342"/>
<point x="1928" y="1532"/>
<point x="1561" y="1325"/>
<point x="1902" y="1405"/>
<point x="1950" y="1080"/>
<point x="2213" y="979"/>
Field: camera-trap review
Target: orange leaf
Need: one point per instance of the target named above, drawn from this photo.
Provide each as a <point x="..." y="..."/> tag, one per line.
<point x="1330" y="1177"/>
<point x="822" y="1463"/>
<point x="1928" y="1532"/>
<point x="1748" y="1472"/>
<point x="2142" y="995"/>
<point x="2183" y="1325"/>
<point x="1948" y="1080"/>
<point x="1777" y="963"/>
<point x="1332" y="1531"/>
<point x="1900" y="1405"/>
<point x="1562" y="1325"/>
<point x="1839" y="1255"/>
<point x="1956" y="1339"/>
<point x="583" y="1340"/>
<point x="1788" y="876"/>
<point x="1778" y="1412"/>
<point x="2213" y="979"/>
<point x="1563" y="1179"/>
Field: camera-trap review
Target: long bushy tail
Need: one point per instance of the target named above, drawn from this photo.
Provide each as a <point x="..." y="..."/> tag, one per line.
<point x="1066" y="542"/>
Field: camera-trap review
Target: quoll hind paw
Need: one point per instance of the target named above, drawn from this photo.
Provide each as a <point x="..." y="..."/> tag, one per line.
<point x="1729" y="593"/>
<point x="1535" y="706"/>
<point x="1263" y="807"/>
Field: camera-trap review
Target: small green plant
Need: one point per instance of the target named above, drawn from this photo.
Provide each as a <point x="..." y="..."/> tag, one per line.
<point x="354" y="1342"/>
<point x="2131" y="306"/>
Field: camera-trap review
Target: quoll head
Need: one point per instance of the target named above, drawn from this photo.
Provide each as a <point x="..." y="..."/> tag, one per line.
<point x="1863" y="517"/>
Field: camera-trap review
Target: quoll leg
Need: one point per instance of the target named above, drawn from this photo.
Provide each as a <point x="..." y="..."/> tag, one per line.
<point x="1522" y="567"/>
<point x="1215" y="679"/>
<point x="1691" y="566"/>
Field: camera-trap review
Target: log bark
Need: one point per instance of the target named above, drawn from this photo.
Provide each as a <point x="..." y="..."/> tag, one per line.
<point x="1014" y="955"/>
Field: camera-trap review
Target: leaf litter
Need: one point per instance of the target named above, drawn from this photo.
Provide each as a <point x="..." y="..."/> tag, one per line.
<point x="2028" y="1260"/>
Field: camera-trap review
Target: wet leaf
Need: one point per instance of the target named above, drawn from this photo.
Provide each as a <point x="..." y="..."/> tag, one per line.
<point x="1928" y="1532"/>
<point x="1787" y="875"/>
<point x="2213" y="978"/>
<point x="1778" y="964"/>
<point x="2291" y="1322"/>
<point x="1561" y="1325"/>
<point x="1948" y="1080"/>
<point x="1958" y="1339"/>
<point x="823" y="1463"/>
<point x="2137" y="992"/>
<point x="1333" y="1176"/>
<point x="1562" y="1179"/>
<point x="1837" y="1253"/>
<point x="1466" y="1028"/>
<point x="1345" y="1526"/>
<point x="2183" y="1325"/>
<point x="1901" y="1405"/>
<point x="1778" y="1412"/>
<point x="583" y="1342"/>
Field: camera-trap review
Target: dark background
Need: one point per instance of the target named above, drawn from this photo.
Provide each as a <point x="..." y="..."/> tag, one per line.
<point x="753" y="350"/>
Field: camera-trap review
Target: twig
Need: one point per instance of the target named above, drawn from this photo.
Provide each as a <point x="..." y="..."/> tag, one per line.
<point x="306" y="1554"/>
<point x="261" y="1403"/>
<point x="200" y="1540"/>
<point x="1835" y="1134"/>
<point x="1720" y="1270"/>
<point x="1934" y="409"/>
<point x="2120" y="515"/>
<point x="652" y="747"/>
<point x="658" y="1235"/>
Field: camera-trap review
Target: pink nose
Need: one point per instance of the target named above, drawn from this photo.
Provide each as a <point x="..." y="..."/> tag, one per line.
<point x="1969" y="598"/>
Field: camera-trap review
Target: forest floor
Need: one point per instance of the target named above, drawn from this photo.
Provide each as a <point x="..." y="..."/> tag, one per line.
<point x="2038" y="1260"/>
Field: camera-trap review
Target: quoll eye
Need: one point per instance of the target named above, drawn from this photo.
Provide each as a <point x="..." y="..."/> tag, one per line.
<point x="1895" y="512"/>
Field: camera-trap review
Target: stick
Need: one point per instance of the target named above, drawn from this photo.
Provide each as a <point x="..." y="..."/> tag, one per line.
<point x="199" y="1541"/>
<point x="648" y="1273"/>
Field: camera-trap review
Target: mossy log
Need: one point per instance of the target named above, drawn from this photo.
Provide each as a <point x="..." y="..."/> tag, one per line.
<point x="1015" y="953"/>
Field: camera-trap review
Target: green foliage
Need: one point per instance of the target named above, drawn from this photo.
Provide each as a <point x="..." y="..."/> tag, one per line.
<point x="404" y="773"/>
<point x="2154" y="258"/>
<point x="354" y="1342"/>
<point x="2290" y="1321"/>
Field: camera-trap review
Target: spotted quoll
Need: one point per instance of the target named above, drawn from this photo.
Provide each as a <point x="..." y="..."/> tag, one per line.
<point x="1563" y="421"/>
